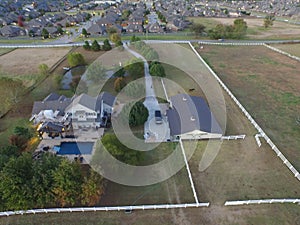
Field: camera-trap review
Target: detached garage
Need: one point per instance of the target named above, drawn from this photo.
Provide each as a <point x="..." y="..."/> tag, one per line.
<point x="189" y="117"/>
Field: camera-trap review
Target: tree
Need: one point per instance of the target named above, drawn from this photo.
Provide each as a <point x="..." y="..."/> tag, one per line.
<point x="106" y="45"/>
<point x="60" y="31"/>
<point x="119" y="72"/>
<point x="67" y="183"/>
<point x="95" y="46"/>
<point x="15" y="186"/>
<point x="239" y="28"/>
<point x="156" y="69"/>
<point x="11" y="95"/>
<point x="119" y="84"/>
<point x="45" y="33"/>
<point x="197" y="28"/>
<point x="74" y="83"/>
<point x="134" y="39"/>
<point x="42" y="181"/>
<point x="20" y="21"/>
<point x="84" y="32"/>
<point x="96" y="72"/>
<point x="18" y="141"/>
<point x="135" y="68"/>
<point x="92" y="189"/>
<point x="75" y="59"/>
<point x="115" y="37"/>
<point x="268" y="21"/>
<point x="151" y="55"/>
<point x="24" y="131"/>
<point x="138" y="114"/>
<point x="44" y="69"/>
<point x="86" y="45"/>
<point x="125" y="14"/>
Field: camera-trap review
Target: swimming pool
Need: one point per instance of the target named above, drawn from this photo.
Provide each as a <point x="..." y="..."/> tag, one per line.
<point x="74" y="148"/>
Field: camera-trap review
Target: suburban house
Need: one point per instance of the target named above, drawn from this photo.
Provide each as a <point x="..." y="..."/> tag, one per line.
<point x="189" y="117"/>
<point x="57" y="114"/>
<point x="91" y="112"/>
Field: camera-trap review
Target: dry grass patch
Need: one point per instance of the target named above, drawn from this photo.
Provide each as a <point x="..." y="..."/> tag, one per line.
<point x="293" y="49"/>
<point x="267" y="84"/>
<point x="26" y="61"/>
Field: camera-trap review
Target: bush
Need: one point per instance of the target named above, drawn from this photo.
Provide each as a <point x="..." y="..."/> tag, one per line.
<point x="75" y="59"/>
<point x="119" y="84"/>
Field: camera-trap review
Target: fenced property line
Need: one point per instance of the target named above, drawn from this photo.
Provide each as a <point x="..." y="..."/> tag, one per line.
<point x="261" y="201"/>
<point x="165" y="91"/>
<point x="230" y="43"/>
<point x="105" y="209"/>
<point x="189" y="172"/>
<point x="41" y="45"/>
<point x="282" y="52"/>
<point x="253" y="122"/>
<point x="233" y="137"/>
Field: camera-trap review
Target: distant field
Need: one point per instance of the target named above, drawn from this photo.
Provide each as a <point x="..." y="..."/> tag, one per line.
<point x="293" y="49"/>
<point x="267" y="84"/>
<point x="27" y="61"/>
<point x="280" y="30"/>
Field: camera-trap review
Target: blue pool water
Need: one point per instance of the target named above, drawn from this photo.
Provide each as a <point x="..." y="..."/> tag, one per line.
<point x="74" y="148"/>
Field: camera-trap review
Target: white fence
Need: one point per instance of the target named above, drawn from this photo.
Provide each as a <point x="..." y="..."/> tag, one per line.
<point x="111" y="208"/>
<point x="282" y="52"/>
<point x="41" y="45"/>
<point x="189" y="172"/>
<point x="230" y="43"/>
<point x="257" y="136"/>
<point x="257" y="127"/>
<point x="262" y="201"/>
<point x="234" y="137"/>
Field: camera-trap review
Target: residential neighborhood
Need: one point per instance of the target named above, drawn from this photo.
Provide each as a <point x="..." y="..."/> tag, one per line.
<point x="32" y="18"/>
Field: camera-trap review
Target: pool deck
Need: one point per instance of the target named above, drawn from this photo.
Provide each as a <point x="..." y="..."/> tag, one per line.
<point x="90" y="135"/>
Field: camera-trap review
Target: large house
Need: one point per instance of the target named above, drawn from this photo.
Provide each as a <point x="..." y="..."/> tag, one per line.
<point x="57" y="114"/>
<point x="190" y="118"/>
<point x="91" y="112"/>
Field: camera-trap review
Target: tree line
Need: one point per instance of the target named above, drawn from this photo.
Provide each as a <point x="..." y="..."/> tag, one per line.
<point x="43" y="180"/>
<point x="237" y="30"/>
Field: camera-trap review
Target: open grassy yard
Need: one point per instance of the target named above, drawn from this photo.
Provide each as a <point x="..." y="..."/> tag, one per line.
<point x="293" y="49"/>
<point x="267" y="84"/>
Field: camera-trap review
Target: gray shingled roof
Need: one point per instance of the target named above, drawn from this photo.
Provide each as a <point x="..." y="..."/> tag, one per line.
<point x="51" y="102"/>
<point x="85" y="100"/>
<point x="190" y="113"/>
<point x="107" y="98"/>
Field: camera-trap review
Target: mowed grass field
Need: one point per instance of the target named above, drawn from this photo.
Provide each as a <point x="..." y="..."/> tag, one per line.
<point x="267" y="84"/>
<point x="279" y="30"/>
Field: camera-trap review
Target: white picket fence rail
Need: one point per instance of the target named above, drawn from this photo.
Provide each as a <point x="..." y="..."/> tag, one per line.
<point x="282" y="52"/>
<point x="261" y="201"/>
<point x="253" y="122"/>
<point x="189" y="172"/>
<point x="111" y="208"/>
<point x="257" y="136"/>
<point x="233" y="137"/>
